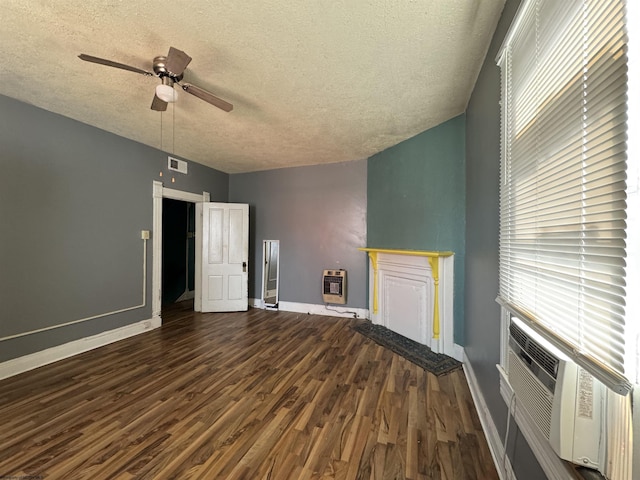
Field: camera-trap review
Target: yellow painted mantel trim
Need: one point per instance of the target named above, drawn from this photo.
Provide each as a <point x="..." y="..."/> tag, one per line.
<point x="433" y="258"/>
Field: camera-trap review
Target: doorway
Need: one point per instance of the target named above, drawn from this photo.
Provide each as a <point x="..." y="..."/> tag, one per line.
<point x="160" y="192"/>
<point x="178" y="252"/>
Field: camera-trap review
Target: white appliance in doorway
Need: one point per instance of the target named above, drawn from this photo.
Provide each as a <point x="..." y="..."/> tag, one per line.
<point x="222" y="257"/>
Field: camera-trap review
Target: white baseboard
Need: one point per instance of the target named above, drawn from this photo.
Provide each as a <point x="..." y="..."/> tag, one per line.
<point x="256" y="303"/>
<point x="44" y="357"/>
<point x="457" y="352"/>
<point x="505" y="471"/>
<point x="327" y="310"/>
<point x="314" y="309"/>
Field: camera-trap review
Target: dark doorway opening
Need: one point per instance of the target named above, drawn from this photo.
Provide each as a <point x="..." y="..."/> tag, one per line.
<point x="178" y="251"/>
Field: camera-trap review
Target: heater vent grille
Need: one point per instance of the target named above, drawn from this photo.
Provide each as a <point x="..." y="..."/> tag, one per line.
<point x="334" y="286"/>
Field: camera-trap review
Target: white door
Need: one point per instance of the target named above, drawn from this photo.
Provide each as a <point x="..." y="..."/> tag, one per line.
<point x="223" y="257"/>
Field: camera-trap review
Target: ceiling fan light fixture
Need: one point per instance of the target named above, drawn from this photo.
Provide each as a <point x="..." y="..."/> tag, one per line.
<point x="166" y="93"/>
<point x="170" y="71"/>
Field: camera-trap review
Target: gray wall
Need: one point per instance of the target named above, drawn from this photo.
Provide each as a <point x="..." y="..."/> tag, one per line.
<point x="73" y="200"/>
<point x="319" y="215"/>
<point x="482" y="314"/>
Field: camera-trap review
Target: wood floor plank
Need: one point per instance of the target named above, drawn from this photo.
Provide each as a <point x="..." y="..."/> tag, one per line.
<point x="249" y="395"/>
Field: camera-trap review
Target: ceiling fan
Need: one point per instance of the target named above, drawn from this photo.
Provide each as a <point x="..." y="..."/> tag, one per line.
<point x="170" y="70"/>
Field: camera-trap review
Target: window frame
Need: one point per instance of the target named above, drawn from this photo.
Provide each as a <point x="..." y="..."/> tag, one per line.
<point x="617" y="381"/>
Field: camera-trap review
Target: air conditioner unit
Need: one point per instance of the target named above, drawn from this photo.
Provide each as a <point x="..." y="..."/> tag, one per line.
<point x="334" y="286"/>
<point x="564" y="401"/>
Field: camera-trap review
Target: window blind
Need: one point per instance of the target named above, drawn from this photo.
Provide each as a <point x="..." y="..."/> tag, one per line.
<point x="562" y="197"/>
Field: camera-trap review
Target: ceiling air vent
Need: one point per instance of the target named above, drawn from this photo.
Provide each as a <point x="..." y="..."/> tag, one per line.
<point x="177" y="165"/>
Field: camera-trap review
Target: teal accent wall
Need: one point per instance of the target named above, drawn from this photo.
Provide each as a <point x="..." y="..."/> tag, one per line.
<point x="416" y="199"/>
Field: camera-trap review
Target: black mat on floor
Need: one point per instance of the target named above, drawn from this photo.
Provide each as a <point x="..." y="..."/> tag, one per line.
<point x="415" y="352"/>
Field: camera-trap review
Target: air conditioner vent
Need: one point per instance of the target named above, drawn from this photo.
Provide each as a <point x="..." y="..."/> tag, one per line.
<point x="564" y="402"/>
<point x="518" y="335"/>
<point x="533" y="396"/>
<point x="543" y="358"/>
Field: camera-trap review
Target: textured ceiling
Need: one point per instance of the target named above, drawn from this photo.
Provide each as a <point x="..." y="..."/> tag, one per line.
<point x="311" y="81"/>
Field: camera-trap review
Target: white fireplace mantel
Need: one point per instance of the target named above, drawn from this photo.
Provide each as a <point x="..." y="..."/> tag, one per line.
<point x="411" y="293"/>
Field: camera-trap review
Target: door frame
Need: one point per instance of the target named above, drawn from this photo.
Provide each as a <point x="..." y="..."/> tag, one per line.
<point x="160" y="192"/>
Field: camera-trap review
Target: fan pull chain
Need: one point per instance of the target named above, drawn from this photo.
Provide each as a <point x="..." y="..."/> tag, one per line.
<point x="161" y="130"/>
<point x="173" y="141"/>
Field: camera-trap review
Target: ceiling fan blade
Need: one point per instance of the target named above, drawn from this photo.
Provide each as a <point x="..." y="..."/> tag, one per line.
<point x="111" y="63"/>
<point x="177" y="61"/>
<point x="158" y="105"/>
<point x="207" y="97"/>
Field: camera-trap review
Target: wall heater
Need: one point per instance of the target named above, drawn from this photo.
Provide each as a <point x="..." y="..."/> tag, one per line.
<point x="564" y="401"/>
<point x="334" y="286"/>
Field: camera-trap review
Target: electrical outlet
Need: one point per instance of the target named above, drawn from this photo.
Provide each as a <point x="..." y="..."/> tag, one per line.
<point x="144" y="235"/>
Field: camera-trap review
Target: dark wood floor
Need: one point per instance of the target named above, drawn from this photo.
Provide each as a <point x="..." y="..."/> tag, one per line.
<point x="255" y="395"/>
